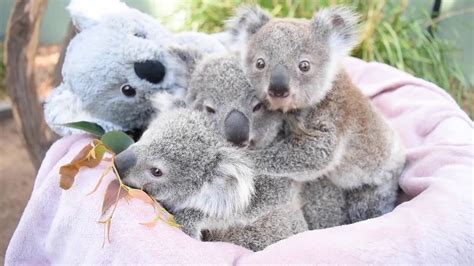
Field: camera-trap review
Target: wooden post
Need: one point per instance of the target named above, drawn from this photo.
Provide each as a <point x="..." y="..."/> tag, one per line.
<point x="20" y="49"/>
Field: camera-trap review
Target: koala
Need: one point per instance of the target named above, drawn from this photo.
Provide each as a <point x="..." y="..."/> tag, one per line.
<point x="117" y="61"/>
<point x="294" y="65"/>
<point x="220" y="89"/>
<point x="208" y="184"/>
<point x="218" y="86"/>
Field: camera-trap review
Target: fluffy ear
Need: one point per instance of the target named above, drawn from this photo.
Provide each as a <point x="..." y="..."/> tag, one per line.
<point x="190" y="99"/>
<point x="339" y="25"/>
<point x="87" y="13"/>
<point x="232" y="185"/>
<point x="165" y="101"/>
<point x="63" y="106"/>
<point x="187" y="56"/>
<point x="247" y="21"/>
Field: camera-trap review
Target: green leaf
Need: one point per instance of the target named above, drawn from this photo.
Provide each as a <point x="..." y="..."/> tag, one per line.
<point x="117" y="141"/>
<point x="89" y="127"/>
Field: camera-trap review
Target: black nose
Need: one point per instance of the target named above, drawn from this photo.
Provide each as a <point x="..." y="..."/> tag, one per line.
<point x="236" y="127"/>
<point x="124" y="161"/>
<point x="279" y="82"/>
<point x="152" y="70"/>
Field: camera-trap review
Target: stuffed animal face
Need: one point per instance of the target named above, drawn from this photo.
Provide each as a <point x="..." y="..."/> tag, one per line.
<point x="117" y="61"/>
<point x="183" y="162"/>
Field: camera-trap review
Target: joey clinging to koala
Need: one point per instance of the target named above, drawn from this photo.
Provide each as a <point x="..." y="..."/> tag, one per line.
<point x="183" y="162"/>
<point x="220" y="92"/>
<point x="295" y="67"/>
<point x="220" y="89"/>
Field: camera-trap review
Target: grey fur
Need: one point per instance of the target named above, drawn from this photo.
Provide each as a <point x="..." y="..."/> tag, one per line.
<point x="206" y="183"/>
<point x="203" y="177"/>
<point x="220" y="82"/>
<point x="335" y="131"/>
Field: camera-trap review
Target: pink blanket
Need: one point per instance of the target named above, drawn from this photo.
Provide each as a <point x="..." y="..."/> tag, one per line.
<point x="434" y="224"/>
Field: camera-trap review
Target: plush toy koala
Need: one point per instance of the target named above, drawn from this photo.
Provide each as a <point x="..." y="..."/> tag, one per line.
<point x="183" y="161"/>
<point x="118" y="60"/>
<point x="294" y="66"/>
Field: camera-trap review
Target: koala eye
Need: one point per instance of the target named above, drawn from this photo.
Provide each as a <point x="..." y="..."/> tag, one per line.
<point x="156" y="172"/>
<point x="140" y="35"/>
<point x="260" y="64"/>
<point x="257" y="107"/>
<point x="210" y="110"/>
<point x="304" y="66"/>
<point x="128" y="90"/>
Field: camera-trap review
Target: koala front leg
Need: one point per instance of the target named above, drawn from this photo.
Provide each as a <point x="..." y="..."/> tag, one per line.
<point x="190" y="221"/>
<point x="301" y="158"/>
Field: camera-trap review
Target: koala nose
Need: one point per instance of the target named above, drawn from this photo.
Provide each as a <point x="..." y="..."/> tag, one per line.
<point x="279" y="82"/>
<point x="236" y="127"/>
<point x="124" y="161"/>
<point x="151" y="70"/>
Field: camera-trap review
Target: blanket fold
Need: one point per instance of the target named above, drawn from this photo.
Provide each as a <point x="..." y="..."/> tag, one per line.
<point x="432" y="224"/>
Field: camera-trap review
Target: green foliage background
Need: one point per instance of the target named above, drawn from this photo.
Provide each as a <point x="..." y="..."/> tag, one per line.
<point x="388" y="35"/>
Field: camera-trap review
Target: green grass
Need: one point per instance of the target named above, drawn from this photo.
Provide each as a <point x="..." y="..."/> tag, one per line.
<point x="387" y="36"/>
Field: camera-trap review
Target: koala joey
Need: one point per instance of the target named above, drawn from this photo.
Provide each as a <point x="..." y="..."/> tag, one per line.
<point x="219" y="88"/>
<point x="295" y="67"/>
<point x="207" y="183"/>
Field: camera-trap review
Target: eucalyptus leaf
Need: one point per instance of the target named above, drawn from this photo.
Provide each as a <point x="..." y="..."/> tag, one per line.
<point x="117" y="141"/>
<point x="89" y="127"/>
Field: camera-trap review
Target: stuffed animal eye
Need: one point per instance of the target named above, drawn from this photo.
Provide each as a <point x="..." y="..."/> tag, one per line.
<point x="257" y="107"/>
<point x="210" y="110"/>
<point x="260" y="64"/>
<point x="140" y="35"/>
<point x="128" y="90"/>
<point x="156" y="172"/>
<point x="304" y="66"/>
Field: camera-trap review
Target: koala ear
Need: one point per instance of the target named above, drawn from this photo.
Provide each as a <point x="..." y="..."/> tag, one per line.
<point x="64" y="106"/>
<point x="234" y="179"/>
<point x="87" y="13"/>
<point x="165" y="101"/>
<point x="187" y="56"/>
<point x="339" y="25"/>
<point x="191" y="99"/>
<point x="247" y="21"/>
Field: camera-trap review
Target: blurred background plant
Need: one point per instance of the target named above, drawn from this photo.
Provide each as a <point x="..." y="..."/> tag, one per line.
<point x="390" y="34"/>
<point x="401" y="33"/>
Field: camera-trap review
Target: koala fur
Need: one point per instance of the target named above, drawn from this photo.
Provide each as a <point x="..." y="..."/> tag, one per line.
<point x="118" y="60"/>
<point x="336" y="133"/>
<point x="203" y="180"/>
<point x="200" y="174"/>
<point x="219" y="87"/>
